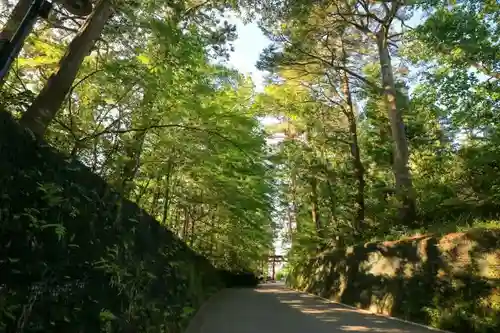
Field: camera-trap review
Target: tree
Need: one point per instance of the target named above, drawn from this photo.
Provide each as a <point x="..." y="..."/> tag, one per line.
<point x="48" y="102"/>
<point x="50" y="99"/>
<point x="146" y="109"/>
<point x="354" y="22"/>
<point x="14" y="20"/>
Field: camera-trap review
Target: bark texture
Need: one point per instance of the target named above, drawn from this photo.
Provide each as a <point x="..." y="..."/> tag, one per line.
<point x="404" y="186"/>
<point x="48" y="102"/>
<point x="359" y="171"/>
<point x="14" y="20"/>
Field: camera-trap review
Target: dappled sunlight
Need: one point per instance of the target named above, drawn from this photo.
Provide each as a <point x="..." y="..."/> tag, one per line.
<point x="356" y="328"/>
<point x="337" y="317"/>
<point x="313" y="311"/>
<point x="276" y="309"/>
<point x="328" y="319"/>
<point x="292" y="302"/>
<point x="273" y="289"/>
<point x="325" y="307"/>
<point x="346" y="310"/>
<point x="375" y="319"/>
<point x="166" y="162"/>
<point x="370" y="329"/>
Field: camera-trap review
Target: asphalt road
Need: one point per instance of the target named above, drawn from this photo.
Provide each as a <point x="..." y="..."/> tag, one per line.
<point x="272" y="308"/>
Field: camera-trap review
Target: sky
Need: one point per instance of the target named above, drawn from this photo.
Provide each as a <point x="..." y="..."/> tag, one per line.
<point x="247" y="48"/>
<point x="251" y="41"/>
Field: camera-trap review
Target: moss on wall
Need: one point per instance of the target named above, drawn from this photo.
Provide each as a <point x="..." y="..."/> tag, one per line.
<point x="70" y="263"/>
<point x="450" y="282"/>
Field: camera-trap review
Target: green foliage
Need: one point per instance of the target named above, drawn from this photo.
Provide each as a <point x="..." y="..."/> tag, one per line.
<point x="156" y="114"/>
<point x="70" y="264"/>
<point x="448" y="273"/>
<point x="282" y="274"/>
<point x="156" y="121"/>
<point x="448" y="103"/>
<point x="166" y="126"/>
<point x="446" y="90"/>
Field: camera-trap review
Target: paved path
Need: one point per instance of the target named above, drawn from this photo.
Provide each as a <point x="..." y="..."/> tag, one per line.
<point x="272" y="308"/>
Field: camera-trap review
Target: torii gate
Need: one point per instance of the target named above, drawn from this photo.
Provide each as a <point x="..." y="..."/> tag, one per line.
<point x="275" y="259"/>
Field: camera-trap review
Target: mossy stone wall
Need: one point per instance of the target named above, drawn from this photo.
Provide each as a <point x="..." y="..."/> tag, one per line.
<point x="451" y="282"/>
<point x="75" y="257"/>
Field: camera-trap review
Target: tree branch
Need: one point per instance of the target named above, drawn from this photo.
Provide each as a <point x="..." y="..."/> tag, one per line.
<point x="192" y="128"/>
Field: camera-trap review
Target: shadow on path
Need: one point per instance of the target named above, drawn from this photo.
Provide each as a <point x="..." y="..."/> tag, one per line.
<point x="272" y="308"/>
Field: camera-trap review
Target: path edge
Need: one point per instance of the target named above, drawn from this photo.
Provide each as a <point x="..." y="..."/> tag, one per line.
<point x="196" y="321"/>
<point x="371" y="312"/>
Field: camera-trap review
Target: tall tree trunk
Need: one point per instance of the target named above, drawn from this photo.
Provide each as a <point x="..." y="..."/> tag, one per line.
<point x="331" y="194"/>
<point x="134" y="144"/>
<point x="404" y="186"/>
<point x="166" y="204"/>
<point x="48" y="102"/>
<point x="126" y="181"/>
<point x="11" y="27"/>
<point x="292" y="221"/>
<point x="290" y="135"/>
<point x="314" y="205"/>
<point x="359" y="170"/>
<point x="212" y="230"/>
<point x="142" y="192"/>
<point x="192" y="235"/>
<point x="185" y="224"/>
<point x="14" y="20"/>
<point x="133" y="152"/>
<point x="156" y="196"/>
<point x="293" y="203"/>
<point x="177" y="220"/>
